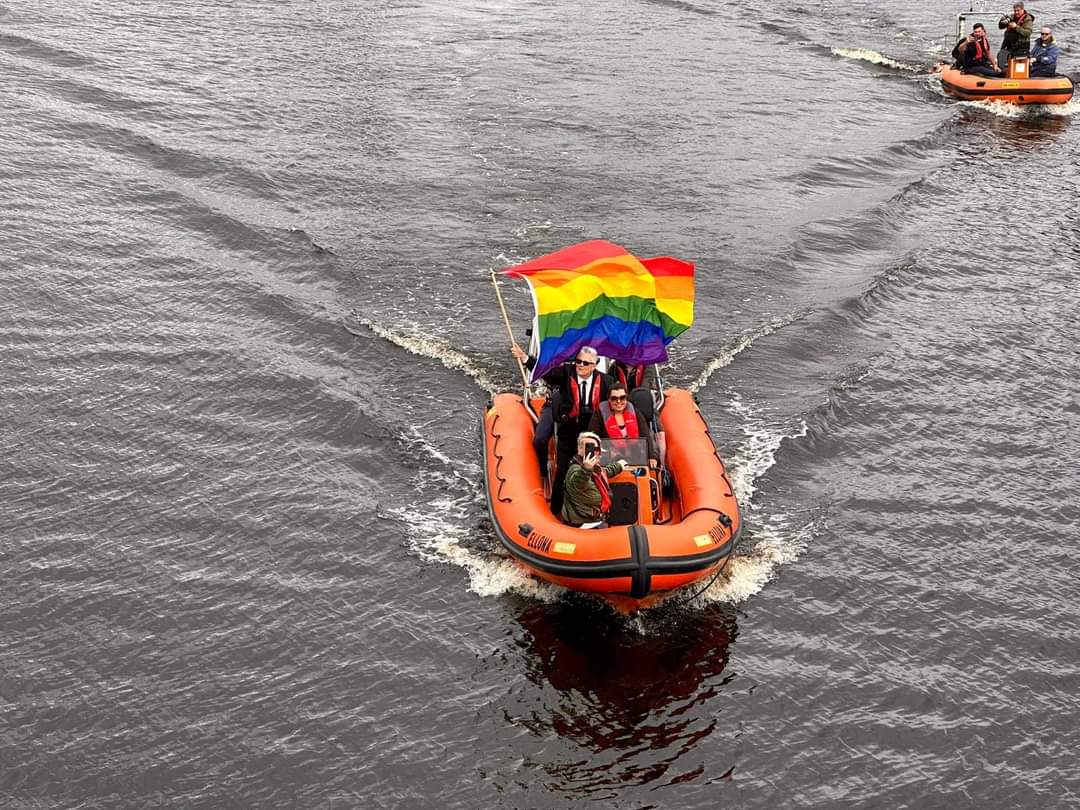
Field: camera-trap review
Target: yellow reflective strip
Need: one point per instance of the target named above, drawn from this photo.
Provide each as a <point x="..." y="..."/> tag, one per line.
<point x="702" y="540"/>
<point x="564" y="548"/>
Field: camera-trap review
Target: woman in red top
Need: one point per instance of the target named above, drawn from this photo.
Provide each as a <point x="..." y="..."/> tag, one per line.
<point x="617" y="419"/>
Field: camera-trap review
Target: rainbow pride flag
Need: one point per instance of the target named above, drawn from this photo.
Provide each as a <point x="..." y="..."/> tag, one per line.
<point x="596" y="294"/>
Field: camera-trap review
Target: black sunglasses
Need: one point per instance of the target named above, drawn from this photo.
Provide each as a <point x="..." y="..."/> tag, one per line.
<point x="580" y="362"/>
<point x="617" y="399"/>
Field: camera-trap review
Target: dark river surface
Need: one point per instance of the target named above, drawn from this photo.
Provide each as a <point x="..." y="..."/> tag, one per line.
<point x="247" y="333"/>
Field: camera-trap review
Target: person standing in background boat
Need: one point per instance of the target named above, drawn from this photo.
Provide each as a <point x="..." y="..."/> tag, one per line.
<point x="588" y="493"/>
<point x="973" y="54"/>
<point x="580" y="388"/>
<point x="1044" y="54"/>
<point x="1017" y="39"/>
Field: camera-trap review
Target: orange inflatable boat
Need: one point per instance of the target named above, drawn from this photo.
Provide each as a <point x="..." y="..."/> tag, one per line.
<point x="658" y="539"/>
<point x="1015" y="87"/>
<point x="1019" y="89"/>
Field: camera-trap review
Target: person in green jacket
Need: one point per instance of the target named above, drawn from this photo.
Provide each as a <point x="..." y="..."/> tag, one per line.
<point x="587" y="493"/>
<point x="1017" y="39"/>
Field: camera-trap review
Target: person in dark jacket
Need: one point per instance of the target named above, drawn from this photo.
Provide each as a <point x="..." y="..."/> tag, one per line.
<point x="973" y="55"/>
<point x="1044" y="54"/>
<point x="580" y="389"/>
<point x="1017" y="40"/>
<point x="639" y="376"/>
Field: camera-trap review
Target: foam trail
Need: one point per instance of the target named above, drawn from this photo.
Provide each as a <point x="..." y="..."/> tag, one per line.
<point x="747" y="574"/>
<point x="1069" y="108"/>
<point x="776" y="541"/>
<point x="467" y="473"/>
<point x="445" y="529"/>
<point x="864" y="55"/>
<point x="442" y="530"/>
<point x="729" y="353"/>
<point x="1004" y="109"/>
<point x="443" y="526"/>
<point x="436" y="349"/>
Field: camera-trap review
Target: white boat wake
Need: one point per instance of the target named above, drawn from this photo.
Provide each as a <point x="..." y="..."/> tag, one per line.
<point x="727" y="354"/>
<point x="771" y="539"/>
<point x="447" y="524"/>
<point x="434" y="348"/>
<point x="875" y="58"/>
<point x="1004" y="109"/>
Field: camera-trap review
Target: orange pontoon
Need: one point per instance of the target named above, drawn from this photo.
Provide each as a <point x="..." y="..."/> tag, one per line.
<point x="972" y="87"/>
<point x="656" y="541"/>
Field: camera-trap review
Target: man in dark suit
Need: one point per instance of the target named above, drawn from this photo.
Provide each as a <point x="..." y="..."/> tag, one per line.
<point x="580" y="388"/>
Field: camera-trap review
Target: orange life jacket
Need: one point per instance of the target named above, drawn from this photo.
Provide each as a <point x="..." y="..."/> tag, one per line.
<point x="982" y="48"/>
<point x="575" y="394"/>
<point x="629" y="430"/>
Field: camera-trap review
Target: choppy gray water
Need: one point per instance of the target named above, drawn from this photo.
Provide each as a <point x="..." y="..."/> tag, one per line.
<point x="247" y="333"/>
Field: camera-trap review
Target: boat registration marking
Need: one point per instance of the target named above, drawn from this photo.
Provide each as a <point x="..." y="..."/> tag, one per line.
<point x="564" y="548"/>
<point x="702" y="540"/>
<point x="1010" y="84"/>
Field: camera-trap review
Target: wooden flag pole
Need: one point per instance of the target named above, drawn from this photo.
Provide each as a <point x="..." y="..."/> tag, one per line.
<point x="510" y="332"/>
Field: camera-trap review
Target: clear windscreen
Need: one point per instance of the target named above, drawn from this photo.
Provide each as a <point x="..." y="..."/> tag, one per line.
<point x="635" y="451"/>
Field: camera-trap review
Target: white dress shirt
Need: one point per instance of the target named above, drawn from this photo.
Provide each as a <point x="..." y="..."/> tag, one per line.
<point x="583" y="390"/>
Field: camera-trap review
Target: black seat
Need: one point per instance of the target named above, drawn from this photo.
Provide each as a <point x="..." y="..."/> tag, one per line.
<point x="624" y="504"/>
<point x="641" y="399"/>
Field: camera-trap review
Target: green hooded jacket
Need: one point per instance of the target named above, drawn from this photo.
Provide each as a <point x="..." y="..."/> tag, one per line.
<point x="1017" y="40"/>
<point x="581" y="503"/>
